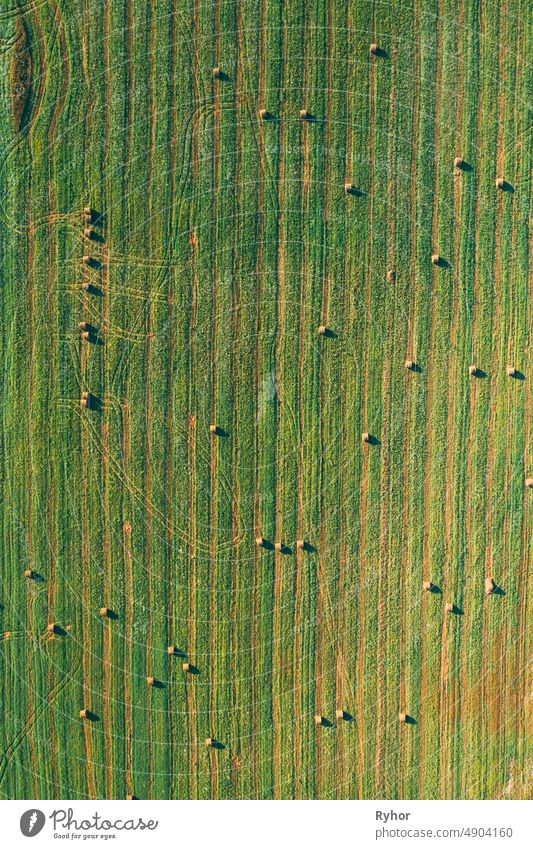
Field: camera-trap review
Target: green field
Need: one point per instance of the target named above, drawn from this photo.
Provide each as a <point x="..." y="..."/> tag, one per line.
<point x="222" y="241"/>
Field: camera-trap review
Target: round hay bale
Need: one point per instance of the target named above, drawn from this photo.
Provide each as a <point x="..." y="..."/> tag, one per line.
<point x="490" y="586"/>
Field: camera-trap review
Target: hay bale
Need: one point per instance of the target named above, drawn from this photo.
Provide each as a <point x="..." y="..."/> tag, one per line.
<point x="84" y="325"/>
<point x="490" y="586"/>
<point x="86" y="286"/>
<point x="213" y="429"/>
<point x="319" y="720"/>
<point x="88" y="232"/>
<point x="500" y="183"/>
<point x="300" y="543"/>
<point x="28" y="573"/>
<point x="472" y="370"/>
<point x="365" y="437"/>
<point x="84" y="713"/>
<point x="304" y="114"/>
<point x="529" y="482"/>
<point x="187" y="667"/>
<point x="348" y="188"/>
<point x="402" y="717"/>
<point x="278" y="546"/>
<point x="52" y="628"/>
<point x="264" y="114"/>
<point x="172" y="650"/>
<point x="374" y="49"/>
<point x="86" y="336"/>
<point x="86" y="259"/>
<point x="210" y="742"/>
<point x="104" y="611"/>
<point x="150" y="680"/>
<point x="511" y="371"/>
<point x="340" y="713"/>
<point x="435" y="259"/>
<point x="458" y="162"/>
<point x="409" y="364"/>
<point x="449" y="607"/>
<point x="391" y="276"/>
<point x="428" y="586"/>
<point x="216" y="73"/>
<point x="87" y="211"/>
<point x="259" y="541"/>
<point x="322" y="330"/>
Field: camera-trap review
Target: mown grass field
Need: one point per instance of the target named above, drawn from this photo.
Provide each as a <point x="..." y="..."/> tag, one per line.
<point x="222" y="242"/>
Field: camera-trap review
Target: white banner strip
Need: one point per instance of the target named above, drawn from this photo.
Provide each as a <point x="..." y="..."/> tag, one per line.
<point x="252" y="824"/>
